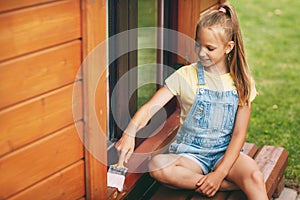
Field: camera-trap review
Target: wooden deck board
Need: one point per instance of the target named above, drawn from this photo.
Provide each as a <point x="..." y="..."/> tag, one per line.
<point x="272" y="161"/>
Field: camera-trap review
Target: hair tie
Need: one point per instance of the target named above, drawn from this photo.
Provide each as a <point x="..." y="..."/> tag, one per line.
<point x="223" y="10"/>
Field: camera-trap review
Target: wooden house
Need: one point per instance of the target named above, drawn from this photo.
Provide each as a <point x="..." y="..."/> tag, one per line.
<point x="43" y="45"/>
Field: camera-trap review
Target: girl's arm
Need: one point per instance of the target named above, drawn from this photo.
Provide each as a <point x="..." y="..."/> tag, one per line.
<point x="125" y="145"/>
<point x="213" y="180"/>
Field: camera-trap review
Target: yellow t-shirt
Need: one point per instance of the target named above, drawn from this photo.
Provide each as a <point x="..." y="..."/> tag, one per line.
<point x="184" y="84"/>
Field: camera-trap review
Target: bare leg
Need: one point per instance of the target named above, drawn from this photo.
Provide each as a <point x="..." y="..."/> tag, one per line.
<point x="246" y="174"/>
<point x="179" y="172"/>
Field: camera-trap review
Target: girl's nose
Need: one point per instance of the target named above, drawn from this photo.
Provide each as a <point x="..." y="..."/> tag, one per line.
<point x="202" y="52"/>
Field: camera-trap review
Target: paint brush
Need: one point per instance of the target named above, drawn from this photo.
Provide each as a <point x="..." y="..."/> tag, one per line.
<point x="116" y="176"/>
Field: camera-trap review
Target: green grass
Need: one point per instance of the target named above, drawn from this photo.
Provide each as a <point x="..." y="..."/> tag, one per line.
<point x="272" y="42"/>
<point x="147" y="17"/>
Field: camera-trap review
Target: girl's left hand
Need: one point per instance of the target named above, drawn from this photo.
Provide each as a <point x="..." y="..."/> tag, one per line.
<point x="210" y="183"/>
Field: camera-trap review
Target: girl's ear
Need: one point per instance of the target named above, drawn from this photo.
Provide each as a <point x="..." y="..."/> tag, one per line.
<point x="229" y="47"/>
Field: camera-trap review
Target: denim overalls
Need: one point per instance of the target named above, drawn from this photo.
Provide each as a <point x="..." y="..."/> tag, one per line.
<point x="206" y="132"/>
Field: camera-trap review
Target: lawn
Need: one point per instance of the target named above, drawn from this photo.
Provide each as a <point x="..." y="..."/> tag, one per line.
<point x="272" y="42"/>
<point x="147" y="17"/>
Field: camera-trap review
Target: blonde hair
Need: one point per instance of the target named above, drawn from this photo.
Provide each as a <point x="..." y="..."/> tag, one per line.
<point x="226" y="18"/>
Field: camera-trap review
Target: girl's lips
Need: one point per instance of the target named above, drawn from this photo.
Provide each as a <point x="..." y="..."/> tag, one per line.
<point x="205" y="60"/>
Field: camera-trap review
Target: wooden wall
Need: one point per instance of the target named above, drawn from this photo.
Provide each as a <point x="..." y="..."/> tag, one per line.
<point x="41" y="155"/>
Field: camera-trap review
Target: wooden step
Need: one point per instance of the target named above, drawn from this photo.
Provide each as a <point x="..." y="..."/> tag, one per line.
<point x="167" y="193"/>
<point x="272" y="161"/>
<point x="279" y="188"/>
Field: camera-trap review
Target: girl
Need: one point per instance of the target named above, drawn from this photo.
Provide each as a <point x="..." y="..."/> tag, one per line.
<point x="215" y="96"/>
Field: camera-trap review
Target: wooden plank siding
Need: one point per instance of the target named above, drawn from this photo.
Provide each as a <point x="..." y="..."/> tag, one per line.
<point x="35" y="28"/>
<point x="41" y="154"/>
<point x="36" y="118"/>
<point x="17" y="4"/>
<point x="38" y="160"/>
<point x="65" y="184"/>
<point x="50" y="68"/>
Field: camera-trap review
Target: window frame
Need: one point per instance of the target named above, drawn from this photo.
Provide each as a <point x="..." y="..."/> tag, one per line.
<point x="122" y="17"/>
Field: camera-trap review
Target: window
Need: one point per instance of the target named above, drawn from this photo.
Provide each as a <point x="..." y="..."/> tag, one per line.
<point x="127" y="71"/>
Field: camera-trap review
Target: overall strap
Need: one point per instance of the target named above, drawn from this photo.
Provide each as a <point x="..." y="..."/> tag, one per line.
<point x="201" y="80"/>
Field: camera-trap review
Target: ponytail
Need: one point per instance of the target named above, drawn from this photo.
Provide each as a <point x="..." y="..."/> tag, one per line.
<point x="239" y="68"/>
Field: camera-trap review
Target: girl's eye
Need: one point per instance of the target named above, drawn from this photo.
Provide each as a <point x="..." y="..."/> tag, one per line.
<point x="210" y="48"/>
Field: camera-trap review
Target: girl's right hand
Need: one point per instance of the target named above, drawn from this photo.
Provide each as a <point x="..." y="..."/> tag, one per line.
<point x="125" y="147"/>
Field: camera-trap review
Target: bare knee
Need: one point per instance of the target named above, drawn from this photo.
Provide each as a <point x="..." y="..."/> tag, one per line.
<point x="155" y="166"/>
<point x="256" y="178"/>
<point x="162" y="161"/>
<point x="161" y="175"/>
<point x="160" y="168"/>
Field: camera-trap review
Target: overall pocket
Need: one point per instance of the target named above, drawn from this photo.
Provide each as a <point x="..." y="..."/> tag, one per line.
<point x="201" y="114"/>
<point x="228" y="117"/>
